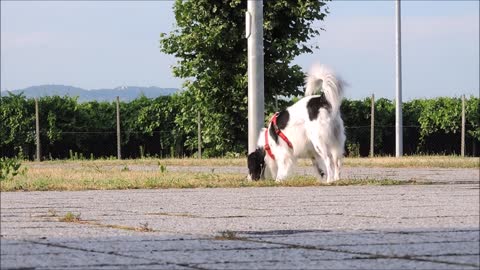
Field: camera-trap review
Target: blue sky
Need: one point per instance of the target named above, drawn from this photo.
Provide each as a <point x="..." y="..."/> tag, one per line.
<point x="108" y="44"/>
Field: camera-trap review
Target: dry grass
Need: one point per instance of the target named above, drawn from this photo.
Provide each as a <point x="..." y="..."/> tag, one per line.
<point x="75" y="218"/>
<point x="388" y="162"/>
<point x="153" y="161"/>
<point x="415" y="162"/>
<point x="70" y="217"/>
<point x="116" y="174"/>
<point x="228" y="235"/>
<point x="94" y="178"/>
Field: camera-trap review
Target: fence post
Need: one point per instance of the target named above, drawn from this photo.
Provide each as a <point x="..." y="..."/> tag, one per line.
<point x="37" y="131"/>
<point x="119" y="152"/>
<point x="372" y="126"/>
<point x="199" y="132"/>
<point x="463" y="127"/>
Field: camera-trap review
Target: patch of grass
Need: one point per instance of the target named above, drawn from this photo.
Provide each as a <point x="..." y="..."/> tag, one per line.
<point x="386" y="162"/>
<point x="162" y="167"/>
<point x="65" y="178"/>
<point x="154" y="162"/>
<point x="228" y="235"/>
<point x="144" y="227"/>
<point x="52" y="213"/>
<point x="75" y="218"/>
<point x="70" y="217"/>
<point x="10" y="167"/>
<point x="415" y="162"/>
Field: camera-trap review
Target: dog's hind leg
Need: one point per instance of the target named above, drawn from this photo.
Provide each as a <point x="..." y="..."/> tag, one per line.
<point x="322" y="151"/>
<point x="330" y="167"/>
<point x="317" y="163"/>
<point x="337" y="163"/>
<point x="327" y="159"/>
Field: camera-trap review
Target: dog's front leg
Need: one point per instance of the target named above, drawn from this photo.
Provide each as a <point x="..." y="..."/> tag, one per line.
<point x="284" y="168"/>
<point x="271" y="169"/>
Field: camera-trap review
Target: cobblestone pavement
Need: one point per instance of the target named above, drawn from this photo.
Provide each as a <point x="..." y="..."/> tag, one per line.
<point x="346" y="227"/>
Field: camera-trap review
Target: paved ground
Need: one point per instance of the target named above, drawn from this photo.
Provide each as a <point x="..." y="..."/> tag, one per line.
<point x="351" y="227"/>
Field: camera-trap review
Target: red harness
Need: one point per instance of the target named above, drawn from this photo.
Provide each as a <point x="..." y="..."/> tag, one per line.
<point x="279" y="133"/>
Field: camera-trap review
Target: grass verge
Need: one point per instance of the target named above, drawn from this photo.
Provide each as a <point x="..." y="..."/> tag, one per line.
<point x="94" y="178"/>
<point x="386" y="162"/>
<point x="415" y="162"/>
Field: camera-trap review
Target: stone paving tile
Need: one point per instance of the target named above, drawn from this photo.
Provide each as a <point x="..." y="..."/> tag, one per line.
<point x="64" y="230"/>
<point x="19" y="248"/>
<point x="362" y="238"/>
<point x="49" y="258"/>
<point x="464" y="259"/>
<point x="152" y="244"/>
<point x="108" y="266"/>
<point x="417" y="249"/>
<point x="243" y="255"/>
<point x="380" y="264"/>
<point x="369" y="227"/>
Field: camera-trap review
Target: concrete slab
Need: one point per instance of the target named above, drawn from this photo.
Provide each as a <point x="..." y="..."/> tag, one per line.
<point x="350" y="227"/>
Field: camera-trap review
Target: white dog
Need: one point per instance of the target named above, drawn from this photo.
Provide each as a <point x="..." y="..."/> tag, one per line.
<point x="311" y="128"/>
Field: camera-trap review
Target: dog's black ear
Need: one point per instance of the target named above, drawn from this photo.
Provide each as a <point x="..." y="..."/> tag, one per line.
<point x="256" y="163"/>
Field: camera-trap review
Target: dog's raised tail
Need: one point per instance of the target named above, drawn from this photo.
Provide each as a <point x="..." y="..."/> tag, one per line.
<point x="322" y="79"/>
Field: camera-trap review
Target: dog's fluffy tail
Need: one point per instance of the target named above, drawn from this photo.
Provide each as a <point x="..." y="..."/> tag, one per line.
<point x="322" y="79"/>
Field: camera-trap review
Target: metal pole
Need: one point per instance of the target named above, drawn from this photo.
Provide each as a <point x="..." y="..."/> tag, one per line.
<point x="398" y="98"/>
<point x="463" y="127"/>
<point x="199" y="131"/>
<point x="119" y="151"/>
<point x="372" y="125"/>
<point x="37" y="131"/>
<point x="254" y="34"/>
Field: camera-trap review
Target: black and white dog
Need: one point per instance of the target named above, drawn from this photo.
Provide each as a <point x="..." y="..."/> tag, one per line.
<point x="311" y="128"/>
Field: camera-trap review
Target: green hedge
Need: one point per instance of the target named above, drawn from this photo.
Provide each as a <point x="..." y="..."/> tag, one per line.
<point x="157" y="127"/>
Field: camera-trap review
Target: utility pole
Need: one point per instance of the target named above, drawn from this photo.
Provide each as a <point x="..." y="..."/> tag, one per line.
<point x="199" y="132"/>
<point x="37" y="131"/>
<point x="463" y="127"/>
<point x="254" y="35"/>
<point x="398" y="96"/>
<point x="372" y="126"/>
<point x="119" y="150"/>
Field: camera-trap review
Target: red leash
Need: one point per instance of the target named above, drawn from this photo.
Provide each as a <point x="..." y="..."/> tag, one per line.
<point x="279" y="133"/>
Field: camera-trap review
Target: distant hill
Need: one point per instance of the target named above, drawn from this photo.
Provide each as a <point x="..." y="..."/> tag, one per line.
<point x="126" y="93"/>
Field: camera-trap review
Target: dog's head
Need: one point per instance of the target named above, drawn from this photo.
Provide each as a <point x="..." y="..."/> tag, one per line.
<point x="256" y="164"/>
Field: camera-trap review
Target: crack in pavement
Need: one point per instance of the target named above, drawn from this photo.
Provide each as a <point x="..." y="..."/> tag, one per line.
<point x="109" y="253"/>
<point x="371" y="255"/>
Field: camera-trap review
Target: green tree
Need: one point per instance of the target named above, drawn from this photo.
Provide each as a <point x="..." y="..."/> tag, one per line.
<point x="157" y="121"/>
<point x="472" y="115"/>
<point x="17" y="125"/>
<point x="96" y="124"/>
<point x="209" y="43"/>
